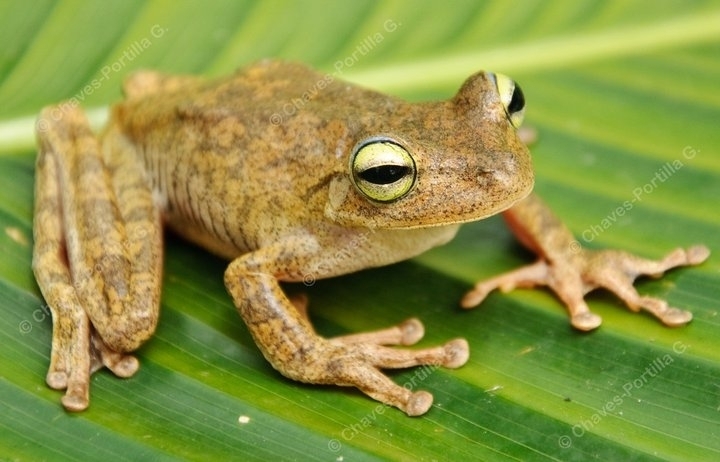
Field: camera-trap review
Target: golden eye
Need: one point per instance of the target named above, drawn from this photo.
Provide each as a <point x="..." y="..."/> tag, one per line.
<point x="382" y="170"/>
<point x="512" y="98"/>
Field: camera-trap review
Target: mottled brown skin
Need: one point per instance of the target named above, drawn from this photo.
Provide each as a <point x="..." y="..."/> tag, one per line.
<point x="255" y="167"/>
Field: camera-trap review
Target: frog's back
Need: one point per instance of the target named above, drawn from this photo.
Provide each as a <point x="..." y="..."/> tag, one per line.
<point x="236" y="160"/>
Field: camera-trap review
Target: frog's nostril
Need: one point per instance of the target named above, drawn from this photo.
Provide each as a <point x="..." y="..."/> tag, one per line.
<point x="483" y="177"/>
<point x="508" y="174"/>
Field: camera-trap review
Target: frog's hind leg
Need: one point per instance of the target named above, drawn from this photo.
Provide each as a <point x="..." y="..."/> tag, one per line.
<point x="71" y="327"/>
<point x="95" y="256"/>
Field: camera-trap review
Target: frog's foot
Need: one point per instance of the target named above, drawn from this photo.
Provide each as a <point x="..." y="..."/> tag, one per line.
<point x="356" y="360"/>
<point x="123" y="365"/>
<point x="288" y="341"/>
<point x="75" y="357"/>
<point x="408" y="332"/>
<point x="573" y="277"/>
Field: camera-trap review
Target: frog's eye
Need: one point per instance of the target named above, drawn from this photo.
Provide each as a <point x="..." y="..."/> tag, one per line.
<point x="382" y="170"/>
<point x="512" y="98"/>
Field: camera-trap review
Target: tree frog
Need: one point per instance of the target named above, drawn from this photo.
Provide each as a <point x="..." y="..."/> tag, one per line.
<point x="291" y="175"/>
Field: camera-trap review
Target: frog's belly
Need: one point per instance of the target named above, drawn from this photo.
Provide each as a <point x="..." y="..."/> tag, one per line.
<point x="200" y="237"/>
<point x="370" y="248"/>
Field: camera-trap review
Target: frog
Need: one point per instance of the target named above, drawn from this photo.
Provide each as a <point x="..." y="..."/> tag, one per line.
<point x="293" y="175"/>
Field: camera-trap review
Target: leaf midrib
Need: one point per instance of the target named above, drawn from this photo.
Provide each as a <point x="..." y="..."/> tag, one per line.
<point x="557" y="51"/>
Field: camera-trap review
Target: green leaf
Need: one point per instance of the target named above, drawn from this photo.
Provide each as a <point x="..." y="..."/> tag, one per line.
<point x="626" y="101"/>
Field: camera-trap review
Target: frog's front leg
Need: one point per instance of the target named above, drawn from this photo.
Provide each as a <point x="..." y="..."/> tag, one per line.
<point x="96" y="253"/>
<point x="287" y="340"/>
<point x="572" y="271"/>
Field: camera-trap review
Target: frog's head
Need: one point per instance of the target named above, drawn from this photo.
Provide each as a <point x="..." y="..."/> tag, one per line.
<point x="438" y="163"/>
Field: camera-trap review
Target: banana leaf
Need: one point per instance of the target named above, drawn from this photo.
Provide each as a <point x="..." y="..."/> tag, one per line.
<point x="625" y="98"/>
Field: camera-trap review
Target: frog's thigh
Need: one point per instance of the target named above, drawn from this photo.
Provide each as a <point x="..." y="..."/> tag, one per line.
<point x="132" y="270"/>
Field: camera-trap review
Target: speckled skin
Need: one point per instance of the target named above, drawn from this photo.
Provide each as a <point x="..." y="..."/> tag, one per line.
<point x="255" y="167"/>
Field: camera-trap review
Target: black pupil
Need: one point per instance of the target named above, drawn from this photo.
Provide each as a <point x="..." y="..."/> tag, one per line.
<point x="517" y="103"/>
<point x="384" y="174"/>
